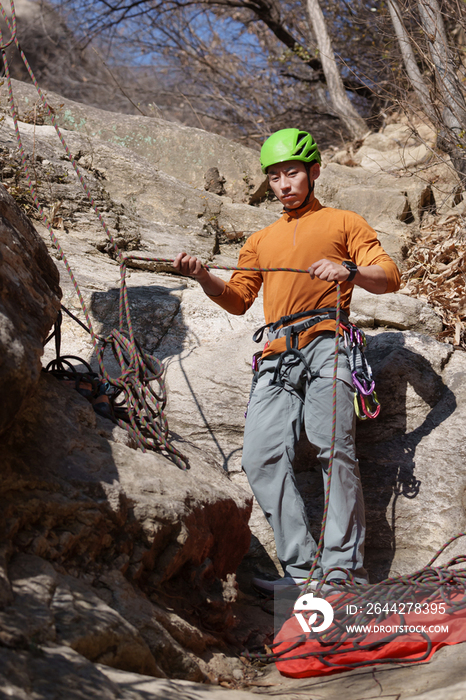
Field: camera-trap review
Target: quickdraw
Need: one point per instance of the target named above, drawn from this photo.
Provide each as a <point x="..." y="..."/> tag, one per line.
<point x="366" y="403"/>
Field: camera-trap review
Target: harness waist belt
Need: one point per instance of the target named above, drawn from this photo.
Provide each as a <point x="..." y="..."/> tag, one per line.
<point x="281" y="329"/>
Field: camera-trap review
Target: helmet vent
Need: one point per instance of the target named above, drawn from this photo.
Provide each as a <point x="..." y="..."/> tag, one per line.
<point x="301" y="144"/>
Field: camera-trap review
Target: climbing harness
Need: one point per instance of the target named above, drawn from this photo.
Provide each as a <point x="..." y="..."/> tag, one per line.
<point x="280" y="328"/>
<point x="366" y="404"/>
<point x="290" y="327"/>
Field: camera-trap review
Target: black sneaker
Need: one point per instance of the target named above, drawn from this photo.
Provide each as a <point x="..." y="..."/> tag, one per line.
<point x="267" y="588"/>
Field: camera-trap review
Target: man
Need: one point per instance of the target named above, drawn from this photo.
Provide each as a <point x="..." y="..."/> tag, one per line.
<point x="295" y="374"/>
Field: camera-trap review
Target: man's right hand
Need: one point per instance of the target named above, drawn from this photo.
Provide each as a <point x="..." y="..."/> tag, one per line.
<point x="189" y="265"/>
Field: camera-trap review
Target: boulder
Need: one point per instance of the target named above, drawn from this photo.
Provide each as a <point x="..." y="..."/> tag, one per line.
<point x="49" y="607"/>
<point x="80" y="501"/>
<point x="373" y="160"/>
<point x="352" y="188"/>
<point x="400" y="200"/>
<point x="178" y="527"/>
<point x="29" y="301"/>
<point x="53" y="672"/>
<point x="397" y="147"/>
<point x="394" y="311"/>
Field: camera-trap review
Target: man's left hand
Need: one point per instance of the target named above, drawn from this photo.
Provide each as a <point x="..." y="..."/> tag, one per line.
<point x="329" y="271"/>
<point x="372" y="278"/>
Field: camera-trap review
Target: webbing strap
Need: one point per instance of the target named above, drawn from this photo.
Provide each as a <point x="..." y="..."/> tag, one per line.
<point x="281" y="328"/>
<point x="343" y="373"/>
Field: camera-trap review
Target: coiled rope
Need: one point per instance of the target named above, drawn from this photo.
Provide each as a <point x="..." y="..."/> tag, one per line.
<point x="147" y="421"/>
<point x="441" y="584"/>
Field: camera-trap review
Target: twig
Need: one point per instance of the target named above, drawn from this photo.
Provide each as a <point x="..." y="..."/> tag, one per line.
<point x="118" y="84"/>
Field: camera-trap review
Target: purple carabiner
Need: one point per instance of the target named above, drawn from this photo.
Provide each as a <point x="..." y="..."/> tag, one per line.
<point x="362" y="389"/>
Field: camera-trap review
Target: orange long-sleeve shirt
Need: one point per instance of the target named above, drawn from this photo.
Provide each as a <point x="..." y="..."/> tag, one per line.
<point x="299" y="240"/>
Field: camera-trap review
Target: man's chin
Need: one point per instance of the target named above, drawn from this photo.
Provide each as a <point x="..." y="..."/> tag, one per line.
<point x="291" y="204"/>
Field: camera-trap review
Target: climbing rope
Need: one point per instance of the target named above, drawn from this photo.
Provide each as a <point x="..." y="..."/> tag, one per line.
<point x="430" y="586"/>
<point x="332" y="443"/>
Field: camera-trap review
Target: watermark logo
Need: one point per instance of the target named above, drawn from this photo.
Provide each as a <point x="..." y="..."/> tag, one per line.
<point x="309" y="603"/>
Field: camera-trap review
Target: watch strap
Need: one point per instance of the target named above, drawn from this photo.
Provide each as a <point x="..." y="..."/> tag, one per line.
<point x="352" y="267"/>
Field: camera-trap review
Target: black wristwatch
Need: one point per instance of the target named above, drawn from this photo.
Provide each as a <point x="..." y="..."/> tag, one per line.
<point x="352" y="267"/>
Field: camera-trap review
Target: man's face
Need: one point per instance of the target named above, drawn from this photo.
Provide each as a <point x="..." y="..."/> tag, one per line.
<point x="289" y="182"/>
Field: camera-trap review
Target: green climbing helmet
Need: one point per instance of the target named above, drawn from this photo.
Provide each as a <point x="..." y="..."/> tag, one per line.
<point x="289" y="144"/>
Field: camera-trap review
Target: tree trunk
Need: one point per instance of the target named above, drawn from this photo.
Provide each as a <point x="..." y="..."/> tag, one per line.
<point x="454" y="112"/>
<point x="339" y="99"/>
<point x="409" y="60"/>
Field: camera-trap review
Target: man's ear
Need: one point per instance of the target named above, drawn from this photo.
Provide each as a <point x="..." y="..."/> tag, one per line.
<point x="314" y="171"/>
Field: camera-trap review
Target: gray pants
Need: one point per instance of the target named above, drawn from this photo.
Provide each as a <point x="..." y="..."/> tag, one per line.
<point x="273" y="425"/>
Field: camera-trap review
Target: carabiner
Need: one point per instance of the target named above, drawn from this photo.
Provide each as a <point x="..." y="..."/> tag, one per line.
<point x="369" y="413"/>
<point x="357" y="409"/>
<point x="362" y="389"/>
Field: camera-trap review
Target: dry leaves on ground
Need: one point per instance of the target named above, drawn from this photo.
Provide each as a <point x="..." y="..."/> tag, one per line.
<point x="436" y="272"/>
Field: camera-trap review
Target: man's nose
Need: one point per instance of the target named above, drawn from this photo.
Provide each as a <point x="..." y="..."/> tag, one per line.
<point x="284" y="183"/>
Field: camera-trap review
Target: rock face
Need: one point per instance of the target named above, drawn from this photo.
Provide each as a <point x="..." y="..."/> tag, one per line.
<point x="395" y="311"/>
<point x="29" y="301"/>
<point x="412" y="460"/>
<point x="173" y="148"/>
<point x="98" y="538"/>
<point x="74" y="494"/>
<point x="410" y="456"/>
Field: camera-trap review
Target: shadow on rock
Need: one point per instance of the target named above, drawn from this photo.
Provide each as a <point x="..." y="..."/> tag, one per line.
<point x="415" y="404"/>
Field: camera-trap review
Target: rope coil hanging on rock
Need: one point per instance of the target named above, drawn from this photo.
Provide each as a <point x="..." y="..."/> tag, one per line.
<point x="147" y="421"/>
